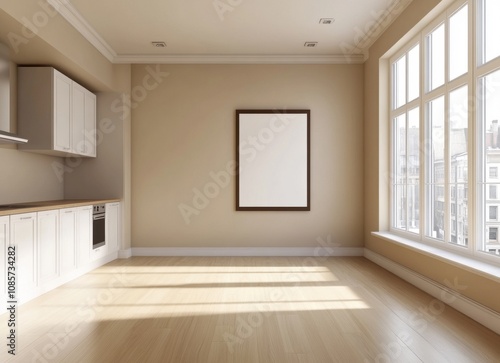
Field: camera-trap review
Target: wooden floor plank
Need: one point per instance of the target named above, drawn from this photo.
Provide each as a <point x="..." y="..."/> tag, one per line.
<point x="238" y="310"/>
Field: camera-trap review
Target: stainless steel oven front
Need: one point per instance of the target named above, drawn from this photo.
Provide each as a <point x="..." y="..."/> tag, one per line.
<point x="99" y="226"/>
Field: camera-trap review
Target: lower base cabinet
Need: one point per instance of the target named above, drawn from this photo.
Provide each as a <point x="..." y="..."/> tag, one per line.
<point x="23" y="235"/>
<point x="84" y="234"/>
<point x="52" y="247"/>
<point x="113" y="227"/>
<point x="47" y="242"/>
<point x="68" y="262"/>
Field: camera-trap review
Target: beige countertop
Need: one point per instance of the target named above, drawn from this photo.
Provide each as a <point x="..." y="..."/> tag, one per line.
<point x="18" y="208"/>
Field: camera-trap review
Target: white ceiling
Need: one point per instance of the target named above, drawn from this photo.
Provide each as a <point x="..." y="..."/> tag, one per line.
<point x="231" y="31"/>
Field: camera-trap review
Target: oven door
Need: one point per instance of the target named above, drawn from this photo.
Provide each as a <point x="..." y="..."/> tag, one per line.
<point x="99" y="227"/>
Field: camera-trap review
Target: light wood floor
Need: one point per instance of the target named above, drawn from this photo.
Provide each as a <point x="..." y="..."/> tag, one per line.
<point x="290" y="310"/>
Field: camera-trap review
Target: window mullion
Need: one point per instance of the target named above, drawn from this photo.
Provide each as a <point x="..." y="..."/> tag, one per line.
<point x="407" y="179"/>
<point x="447" y="168"/>
<point x="447" y="133"/>
<point x="472" y="192"/>
<point x="422" y="159"/>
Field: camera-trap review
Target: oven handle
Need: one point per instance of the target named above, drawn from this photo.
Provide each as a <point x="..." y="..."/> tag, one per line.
<point x="98" y="217"/>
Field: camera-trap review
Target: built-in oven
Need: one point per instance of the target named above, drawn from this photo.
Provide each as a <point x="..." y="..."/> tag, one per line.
<point x="99" y="226"/>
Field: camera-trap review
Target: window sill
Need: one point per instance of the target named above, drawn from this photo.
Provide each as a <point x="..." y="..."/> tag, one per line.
<point x="482" y="268"/>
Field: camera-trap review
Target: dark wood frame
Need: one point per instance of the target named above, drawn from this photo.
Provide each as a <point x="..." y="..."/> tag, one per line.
<point x="308" y="140"/>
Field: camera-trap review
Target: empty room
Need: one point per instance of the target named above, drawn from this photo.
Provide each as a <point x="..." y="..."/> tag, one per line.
<point x="236" y="181"/>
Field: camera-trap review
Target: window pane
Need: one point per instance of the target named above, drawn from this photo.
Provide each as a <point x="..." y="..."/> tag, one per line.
<point x="491" y="28"/>
<point x="414" y="73"/>
<point x="459" y="50"/>
<point x="413" y="191"/>
<point x="458" y="138"/>
<point x="400" y="149"/>
<point x="400" y="206"/>
<point x="491" y="243"/>
<point x="435" y="58"/>
<point x="435" y="211"/>
<point x="399" y="170"/>
<point x="458" y="214"/>
<point x="435" y="140"/>
<point x="399" y="75"/>
<point x="435" y="177"/>
<point x="489" y="96"/>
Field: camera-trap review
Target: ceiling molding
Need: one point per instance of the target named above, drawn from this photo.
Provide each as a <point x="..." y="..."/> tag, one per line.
<point x="73" y="16"/>
<point x="381" y="25"/>
<point x="240" y="59"/>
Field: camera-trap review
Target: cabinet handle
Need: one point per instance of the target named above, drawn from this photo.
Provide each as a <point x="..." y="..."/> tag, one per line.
<point x="68" y="211"/>
<point x="26" y="218"/>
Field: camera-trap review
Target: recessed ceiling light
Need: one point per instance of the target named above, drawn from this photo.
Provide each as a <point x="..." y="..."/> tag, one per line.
<point x="310" y="44"/>
<point x="326" y="21"/>
<point x="159" y="44"/>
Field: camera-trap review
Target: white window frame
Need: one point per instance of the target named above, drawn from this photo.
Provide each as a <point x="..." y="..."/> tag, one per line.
<point x="475" y="195"/>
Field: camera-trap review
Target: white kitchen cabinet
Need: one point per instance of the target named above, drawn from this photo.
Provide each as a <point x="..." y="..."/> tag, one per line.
<point x="4" y="244"/>
<point x="84" y="234"/>
<point x="62" y="113"/>
<point x="55" y="114"/>
<point x="84" y="121"/>
<point x="90" y="146"/>
<point x="67" y="241"/>
<point x="23" y="234"/>
<point x="48" y="246"/>
<point x="113" y="226"/>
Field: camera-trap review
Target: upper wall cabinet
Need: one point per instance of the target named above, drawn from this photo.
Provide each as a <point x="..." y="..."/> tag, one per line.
<point x="55" y="114"/>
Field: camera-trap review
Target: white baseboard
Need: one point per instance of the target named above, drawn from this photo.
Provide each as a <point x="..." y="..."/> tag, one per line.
<point x="247" y="251"/>
<point x="467" y="306"/>
<point x="124" y="254"/>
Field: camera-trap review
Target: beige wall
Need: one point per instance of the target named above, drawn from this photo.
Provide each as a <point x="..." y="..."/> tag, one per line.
<point x="26" y="177"/>
<point x="184" y="129"/>
<point x="376" y="165"/>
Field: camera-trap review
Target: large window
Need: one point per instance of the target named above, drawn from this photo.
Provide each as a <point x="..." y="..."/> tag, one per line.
<point x="445" y="89"/>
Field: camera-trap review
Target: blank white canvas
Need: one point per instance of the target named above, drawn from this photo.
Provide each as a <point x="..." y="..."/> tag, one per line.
<point x="273" y="160"/>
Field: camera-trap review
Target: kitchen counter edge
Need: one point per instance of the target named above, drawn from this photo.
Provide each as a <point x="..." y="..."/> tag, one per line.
<point x="20" y="208"/>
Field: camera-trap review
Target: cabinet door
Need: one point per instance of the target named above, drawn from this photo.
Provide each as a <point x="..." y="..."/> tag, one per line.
<point x="90" y="124"/>
<point x="23" y="238"/>
<point x="62" y="112"/>
<point x="48" y="245"/>
<point x="113" y="226"/>
<point x="78" y="118"/>
<point x="84" y="234"/>
<point x="67" y="241"/>
<point x="4" y="244"/>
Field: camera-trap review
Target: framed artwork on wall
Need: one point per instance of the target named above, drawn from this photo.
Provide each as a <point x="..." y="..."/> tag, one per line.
<point x="273" y="155"/>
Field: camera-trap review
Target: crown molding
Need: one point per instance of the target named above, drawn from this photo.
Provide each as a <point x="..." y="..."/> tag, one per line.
<point x="376" y="30"/>
<point x="240" y="59"/>
<point x="74" y="18"/>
